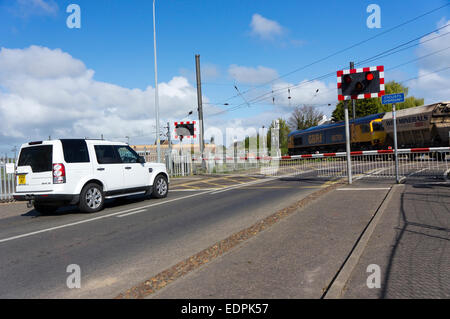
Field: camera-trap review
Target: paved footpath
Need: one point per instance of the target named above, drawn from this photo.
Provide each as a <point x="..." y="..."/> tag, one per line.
<point x="295" y="258"/>
<point x="300" y="256"/>
<point x="411" y="244"/>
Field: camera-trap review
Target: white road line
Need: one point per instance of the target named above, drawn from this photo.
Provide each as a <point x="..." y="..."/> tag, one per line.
<point x="244" y="184"/>
<point x="417" y="172"/>
<point x="96" y="218"/>
<point x="138" y="211"/>
<point x="363" y="189"/>
<point x="194" y="190"/>
<point x="260" y="181"/>
<point x="135" y="210"/>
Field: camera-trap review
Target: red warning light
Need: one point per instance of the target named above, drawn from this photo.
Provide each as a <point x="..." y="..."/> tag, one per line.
<point x="369" y="76"/>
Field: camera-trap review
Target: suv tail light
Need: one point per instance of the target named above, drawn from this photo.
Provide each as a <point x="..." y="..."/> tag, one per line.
<point x="59" y="174"/>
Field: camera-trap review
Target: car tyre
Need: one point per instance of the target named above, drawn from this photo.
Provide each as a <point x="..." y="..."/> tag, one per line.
<point x="91" y="198"/>
<point x="160" y="187"/>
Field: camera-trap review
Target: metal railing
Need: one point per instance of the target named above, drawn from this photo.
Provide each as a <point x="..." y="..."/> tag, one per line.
<point x="7" y="181"/>
<point x="176" y="164"/>
<point x="412" y="163"/>
<point x="419" y="162"/>
<point x="423" y="162"/>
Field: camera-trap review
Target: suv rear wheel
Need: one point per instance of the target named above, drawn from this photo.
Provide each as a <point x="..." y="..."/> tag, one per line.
<point x="91" y="198"/>
<point x="160" y="187"/>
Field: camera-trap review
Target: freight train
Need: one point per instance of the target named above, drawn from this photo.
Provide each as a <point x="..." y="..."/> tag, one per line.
<point x="421" y="126"/>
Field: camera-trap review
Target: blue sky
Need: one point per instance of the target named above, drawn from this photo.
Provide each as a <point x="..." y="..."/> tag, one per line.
<point x="243" y="43"/>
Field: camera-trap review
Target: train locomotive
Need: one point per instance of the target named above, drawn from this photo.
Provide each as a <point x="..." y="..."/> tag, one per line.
<point x="421" y="126"/>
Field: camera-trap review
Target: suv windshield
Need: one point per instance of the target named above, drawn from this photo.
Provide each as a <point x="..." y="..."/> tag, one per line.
<point x="38" y="157"/>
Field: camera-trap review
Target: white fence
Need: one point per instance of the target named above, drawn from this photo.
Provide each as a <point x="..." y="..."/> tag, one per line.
<point x="176" y="164"/>
<point x="7" y="181"/>
<point x="423" y="162"/>
<point x="412" y="163"/>
<point x="432" y="162"/>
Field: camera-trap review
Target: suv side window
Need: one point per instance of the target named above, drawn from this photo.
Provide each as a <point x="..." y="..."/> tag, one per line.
<point x="75" y="151"/>
<point x="106" y="154"/>
<point x="127" y="154"/>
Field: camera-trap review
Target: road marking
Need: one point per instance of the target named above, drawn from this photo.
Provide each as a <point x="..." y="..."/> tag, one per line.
<point x="194" y="189"/>
<point x="269" y="179"/>
<point x="123" y="215"/>
<point x="97" y="218"/>
<point x="135" y="210"/>
<point x="281" y="187"/>
<point x="363" y="189"/>
<point x="417" y="172"/>
<point x="244" y="184"/>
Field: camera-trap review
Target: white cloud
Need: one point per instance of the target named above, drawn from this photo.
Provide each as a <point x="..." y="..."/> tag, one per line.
<point x="264" y="28"/>
<point x="36" y="7"/>
<point x="428" y="46"/>
<point x="48" y="92"/>
<point x="250" y="75"/>
<point x="433" y="87"/>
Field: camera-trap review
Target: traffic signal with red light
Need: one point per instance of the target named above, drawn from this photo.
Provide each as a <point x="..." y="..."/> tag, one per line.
<point x="369" y="76"/>
<point x="185" y="129"/>
<point x="361" y="83"/>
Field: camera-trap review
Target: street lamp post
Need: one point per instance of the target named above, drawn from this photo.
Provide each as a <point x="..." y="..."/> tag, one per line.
<point x="158" y="150"/>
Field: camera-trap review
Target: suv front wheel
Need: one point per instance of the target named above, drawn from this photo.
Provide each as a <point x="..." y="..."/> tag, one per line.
<point x="160" y="187"/>
<point x="91" y="198"/>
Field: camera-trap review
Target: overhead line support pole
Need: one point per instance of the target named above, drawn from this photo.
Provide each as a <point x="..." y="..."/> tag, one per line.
<point x="200" y="107"/>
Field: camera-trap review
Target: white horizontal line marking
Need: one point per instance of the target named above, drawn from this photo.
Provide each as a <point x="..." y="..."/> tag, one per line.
<point x="193" y="190"/>
<point x="135" y="212"/>
<point x="96" y="218"/>
<point x="363" y="189"/>
<point x="141" y="208"/>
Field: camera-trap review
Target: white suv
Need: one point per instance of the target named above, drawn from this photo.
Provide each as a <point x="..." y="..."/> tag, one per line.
<point x="84" y="173"/>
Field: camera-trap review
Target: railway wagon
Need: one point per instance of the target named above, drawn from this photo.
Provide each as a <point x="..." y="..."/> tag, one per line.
<point x="421" y="126"/>
<point x="366" y="133"/>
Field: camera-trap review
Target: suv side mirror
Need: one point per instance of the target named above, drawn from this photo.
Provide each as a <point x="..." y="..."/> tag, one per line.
<point x="141" y="159"/>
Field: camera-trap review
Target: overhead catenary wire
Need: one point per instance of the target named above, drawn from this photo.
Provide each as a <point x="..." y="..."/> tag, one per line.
<point x="343" y="50"/>
<point x="384" y="54"/>
<point x="400" y="82"/>
<point x="403" y="81"/>
<point x="405" y="43"/>
<point x="375" y="57"/>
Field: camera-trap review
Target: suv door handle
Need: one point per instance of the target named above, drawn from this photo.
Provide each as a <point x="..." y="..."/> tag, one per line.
<point x="100" y="169"/>
<point x="128" y="167"/>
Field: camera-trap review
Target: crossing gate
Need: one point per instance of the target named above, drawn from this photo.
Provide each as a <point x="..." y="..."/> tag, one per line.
<point x="413" y="162"/>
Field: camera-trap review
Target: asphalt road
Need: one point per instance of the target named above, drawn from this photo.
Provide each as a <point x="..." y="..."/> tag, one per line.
<point x="129" y="242"/>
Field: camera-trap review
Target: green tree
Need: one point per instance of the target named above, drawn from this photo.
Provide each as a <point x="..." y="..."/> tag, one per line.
<point x="373" y="106"/>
